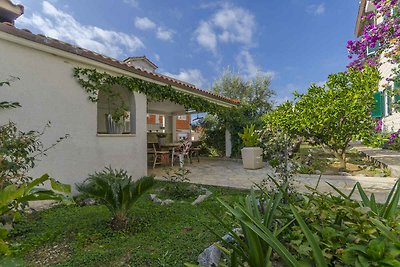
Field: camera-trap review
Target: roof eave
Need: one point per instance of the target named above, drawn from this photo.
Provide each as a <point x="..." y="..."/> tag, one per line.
<point x="119" y="67"/>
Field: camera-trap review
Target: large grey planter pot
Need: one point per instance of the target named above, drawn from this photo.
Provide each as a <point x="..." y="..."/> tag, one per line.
<point x="112" y="127"/>
<point x="252" y="158"/>
<point x="162" y="141"/>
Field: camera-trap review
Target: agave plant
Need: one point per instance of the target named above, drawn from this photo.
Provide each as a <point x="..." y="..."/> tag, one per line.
<point x="386" y="210"/>
<point x="261" y="234"/>
<point x="116" y="190"/>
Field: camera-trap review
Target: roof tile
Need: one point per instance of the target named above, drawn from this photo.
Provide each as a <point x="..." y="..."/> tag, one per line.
<point x="42" y="39"/>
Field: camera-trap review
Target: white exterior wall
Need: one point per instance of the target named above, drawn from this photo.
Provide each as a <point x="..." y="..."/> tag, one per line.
<point x="391" y="122"/>
<point x="47" y="91"/>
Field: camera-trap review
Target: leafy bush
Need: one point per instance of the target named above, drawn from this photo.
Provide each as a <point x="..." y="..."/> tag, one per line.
<point x="394" y="141"/>
<point x="179" y="187"/>
<point x="115" y="189"/>
<point x="384" y="140"/>
<point x="250" y="136"/>
<point x="375" y="140"/>
<point x="316" y="230"/>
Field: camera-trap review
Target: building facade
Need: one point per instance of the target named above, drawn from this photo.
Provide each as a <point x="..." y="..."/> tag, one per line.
<point x="387" y="98"/>
<point x="41" y="75"/>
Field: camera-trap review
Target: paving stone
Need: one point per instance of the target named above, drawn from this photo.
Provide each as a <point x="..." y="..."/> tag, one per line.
<point x="231" y="174"/>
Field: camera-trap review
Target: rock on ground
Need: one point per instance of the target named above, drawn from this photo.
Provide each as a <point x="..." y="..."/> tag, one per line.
<point x="210" y="257"/>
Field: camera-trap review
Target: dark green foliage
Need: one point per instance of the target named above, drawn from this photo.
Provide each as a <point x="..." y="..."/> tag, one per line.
<point x="178" y="187"/>
<point x="117" y="191"/>
<point x="319" y="229"/>
<point x="214" y="135"/>
<point x="255" y="96"/>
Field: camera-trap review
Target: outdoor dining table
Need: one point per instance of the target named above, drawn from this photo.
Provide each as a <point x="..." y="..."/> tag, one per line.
<point x="171" y="147"/>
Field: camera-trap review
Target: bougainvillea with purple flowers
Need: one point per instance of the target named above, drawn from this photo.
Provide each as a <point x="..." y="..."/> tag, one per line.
<point x="394" y="141"/>
<point x="392" y="137"/>
<point x="385" y="36"/>
<point x="378" y="125"/>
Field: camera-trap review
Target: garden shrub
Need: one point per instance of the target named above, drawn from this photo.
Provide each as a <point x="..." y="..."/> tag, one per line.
<point x="315" y="229"/>
<point x="178" y="187"/>
<point x="117" y="191"/>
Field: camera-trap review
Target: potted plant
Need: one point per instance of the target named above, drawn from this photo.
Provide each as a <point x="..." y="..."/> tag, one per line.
<point x="115" y="121"/>
<point x="161" y="138"/>
<point x="251" y="153"/>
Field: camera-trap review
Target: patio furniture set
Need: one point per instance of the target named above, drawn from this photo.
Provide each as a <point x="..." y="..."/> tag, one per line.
<point x="168" y="153"/>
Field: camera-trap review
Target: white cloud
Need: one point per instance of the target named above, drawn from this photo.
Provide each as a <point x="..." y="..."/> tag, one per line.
<point x="144" y="23"/>
<point x="133" y="3"/>
<point x="206" y="36"/>
<point x="316" y="9"/>
<point x="157" y="57"/>
<point x="60" y="25"/>
<point x="164" y="34"/>
<point x="230" y="24"/>
<point x="249" y="68"/>
<point x="192" y="76"/>
<point x="147" y="24"/>
<point x="236" y="25"/>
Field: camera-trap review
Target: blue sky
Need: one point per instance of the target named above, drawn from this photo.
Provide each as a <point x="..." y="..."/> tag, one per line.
<point x="295" y="41"/>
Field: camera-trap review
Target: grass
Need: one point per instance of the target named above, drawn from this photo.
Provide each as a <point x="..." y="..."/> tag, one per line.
<point x="315" y="158"/>
<point x="158" y="236"/>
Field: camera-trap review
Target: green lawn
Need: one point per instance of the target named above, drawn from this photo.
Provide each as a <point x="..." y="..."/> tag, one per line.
<point x="158" y="236"/>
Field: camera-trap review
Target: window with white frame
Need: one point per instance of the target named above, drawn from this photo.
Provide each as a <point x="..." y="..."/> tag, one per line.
<point x="182" y="117"/>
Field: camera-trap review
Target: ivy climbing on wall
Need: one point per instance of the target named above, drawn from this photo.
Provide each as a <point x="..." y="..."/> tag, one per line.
<point x="94" y="81"/>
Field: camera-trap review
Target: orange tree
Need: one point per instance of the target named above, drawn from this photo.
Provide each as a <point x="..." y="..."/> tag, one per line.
<point x="331" y="115"/>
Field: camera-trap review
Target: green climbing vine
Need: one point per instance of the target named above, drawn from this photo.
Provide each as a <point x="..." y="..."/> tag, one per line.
<point x="94" y="82"/>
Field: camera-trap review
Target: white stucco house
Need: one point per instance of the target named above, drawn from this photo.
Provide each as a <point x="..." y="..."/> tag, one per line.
<point x="385" y="109"/>
<point x="47" y="91"/>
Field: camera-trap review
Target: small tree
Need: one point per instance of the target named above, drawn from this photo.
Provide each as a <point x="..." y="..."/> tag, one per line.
<point x="331" y="115"/>
<point x="255" y="100"/>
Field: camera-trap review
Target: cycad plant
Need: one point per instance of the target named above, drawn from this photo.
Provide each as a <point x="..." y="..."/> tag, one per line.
<point x="116" y="190"/>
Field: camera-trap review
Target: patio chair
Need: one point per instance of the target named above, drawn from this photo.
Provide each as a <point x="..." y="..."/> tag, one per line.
<point x="195" y="150"/>
<point x="181" y="152"/>
<point x="156" y="153"/>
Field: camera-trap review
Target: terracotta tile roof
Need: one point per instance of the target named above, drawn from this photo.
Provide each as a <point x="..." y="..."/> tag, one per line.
<point x="66" y="47"/>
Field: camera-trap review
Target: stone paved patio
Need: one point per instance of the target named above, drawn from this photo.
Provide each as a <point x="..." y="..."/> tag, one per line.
<point x="230" y="173"/>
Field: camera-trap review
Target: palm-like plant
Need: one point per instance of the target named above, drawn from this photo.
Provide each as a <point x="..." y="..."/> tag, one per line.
<point x="116" y="190"/>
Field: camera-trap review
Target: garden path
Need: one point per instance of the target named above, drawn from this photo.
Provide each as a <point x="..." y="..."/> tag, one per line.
<point x="387" y="158"/>
<point x="230" y="173"/>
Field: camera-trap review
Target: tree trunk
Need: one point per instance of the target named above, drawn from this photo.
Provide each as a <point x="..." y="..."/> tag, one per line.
<point x="342" y="159"/>
<point x="340" y="156"/>
<point x="119" y="222"/>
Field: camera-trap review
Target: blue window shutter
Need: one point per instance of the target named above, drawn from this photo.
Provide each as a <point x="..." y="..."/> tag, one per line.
<point x="377" y="110"/>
